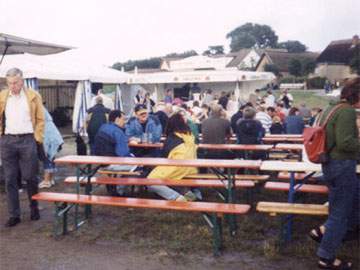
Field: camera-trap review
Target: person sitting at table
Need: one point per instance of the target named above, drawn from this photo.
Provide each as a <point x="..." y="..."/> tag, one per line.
<point x="162" y="113"/>
<point x="216" y="130"/>
<point x="315" y="112"/>
<point x="250" y="131"/>
<point x="111" y="141"/>
<point x="143" y="127"/>
<point x="294" y="123"/>
<point x="276" y="127"/>
<point x="179" y="144"/>
<point x="238" y="116"/>
<point x="263" y="117"/>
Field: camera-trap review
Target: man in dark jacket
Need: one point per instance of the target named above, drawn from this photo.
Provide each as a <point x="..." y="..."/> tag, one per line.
<point x="97" y="115"/>
<point x="250" y="131"/>
<point x="111" y="141"/>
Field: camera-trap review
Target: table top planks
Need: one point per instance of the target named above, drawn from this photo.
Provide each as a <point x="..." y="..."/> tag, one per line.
<point x="100" y="160"/>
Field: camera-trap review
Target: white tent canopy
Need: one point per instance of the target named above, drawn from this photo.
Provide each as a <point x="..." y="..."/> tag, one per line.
<point x="58" y="67"/>
<point x="201" y="76"/>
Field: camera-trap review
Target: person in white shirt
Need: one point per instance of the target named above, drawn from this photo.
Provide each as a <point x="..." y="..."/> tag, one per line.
<point x="270" y="99"/>
<point x="264" y="118"/>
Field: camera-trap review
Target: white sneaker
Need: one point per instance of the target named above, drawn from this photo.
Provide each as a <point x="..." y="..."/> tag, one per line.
<point x="44" y="184"/>
<point x="181" y="198"/>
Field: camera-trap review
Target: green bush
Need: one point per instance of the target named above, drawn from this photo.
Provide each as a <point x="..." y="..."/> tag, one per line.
<point x="316" y="83"/>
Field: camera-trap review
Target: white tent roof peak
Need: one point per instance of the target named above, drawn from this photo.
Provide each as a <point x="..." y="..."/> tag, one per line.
<point x="59" y="67"/>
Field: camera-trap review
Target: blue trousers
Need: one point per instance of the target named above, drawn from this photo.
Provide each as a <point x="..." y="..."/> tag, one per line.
<point x="340" y="177"/>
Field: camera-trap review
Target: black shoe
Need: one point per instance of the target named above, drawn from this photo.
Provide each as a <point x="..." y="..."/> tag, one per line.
<point x="35" y="215"/>
<point x="12" y="222"/>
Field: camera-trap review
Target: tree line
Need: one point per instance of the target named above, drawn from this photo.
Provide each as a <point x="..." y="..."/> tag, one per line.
<point x="248" y="35"/>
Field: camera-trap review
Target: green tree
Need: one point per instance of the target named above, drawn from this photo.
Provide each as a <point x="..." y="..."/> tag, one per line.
<point x="153" y="62"/>
<point x="183" y="54"/>
<point x="272" y="68"/>
<point x="252" y="35"/>
<point x="214" y="50"/>
<point x="308" y="66"/>
<point x="142" y="63"/>
<point x="293" y="46"/>
<point x="295" y="67"/>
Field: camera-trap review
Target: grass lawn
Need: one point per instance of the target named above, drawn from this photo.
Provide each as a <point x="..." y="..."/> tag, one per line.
<point x="310" y="98"/>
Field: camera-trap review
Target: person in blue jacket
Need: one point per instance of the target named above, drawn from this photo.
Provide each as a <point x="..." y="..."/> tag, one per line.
<point x="146" y="128"/>
<point x="111" y="139"/>
<point x="294" y="123"/>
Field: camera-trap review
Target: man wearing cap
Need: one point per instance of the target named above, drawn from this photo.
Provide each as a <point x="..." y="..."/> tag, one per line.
<point x="143" y="125"/>
<point x="22" y="122"/>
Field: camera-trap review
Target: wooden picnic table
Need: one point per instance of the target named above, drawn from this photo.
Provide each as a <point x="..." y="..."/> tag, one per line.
<point x="289" y="146"/>
<point x="279" y="139"/>
<point x="244" y="147"/>
<point x="100" y="160"/>
<point x="84" y="170"/>
<point x="231" y="138"/>
<point x="283" y="135"/>
<point x="292" y="168"/>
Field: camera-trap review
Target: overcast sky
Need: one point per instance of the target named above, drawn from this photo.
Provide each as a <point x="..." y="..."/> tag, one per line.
<point x="108" y="31"/>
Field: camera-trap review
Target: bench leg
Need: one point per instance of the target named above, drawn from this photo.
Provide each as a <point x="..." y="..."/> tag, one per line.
<point x="61" y="220"/>
<point x="217" y="234"/>
<point x="215" y="223"/>
<point x="231" y="199"/>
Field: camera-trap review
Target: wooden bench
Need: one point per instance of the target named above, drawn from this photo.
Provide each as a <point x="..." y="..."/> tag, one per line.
<point x="290" y="209"/>
<point x="248" y="177"/>
<point x="277" y="155"/>
<point x="241" y="177"/>
<point x="214" y="211"/>
<point x="274" y="208"/>
<point x="111" y="172"/>
<point x="307" y="188"/>
<point x="168" y="182"/>
<point x="298" y="176"/>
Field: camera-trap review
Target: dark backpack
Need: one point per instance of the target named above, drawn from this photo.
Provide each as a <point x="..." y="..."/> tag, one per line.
<point x="315" y="138"/>
<point x="248" y="132"/>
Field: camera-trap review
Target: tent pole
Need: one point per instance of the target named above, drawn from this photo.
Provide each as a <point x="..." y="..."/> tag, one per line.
<point x="6" y="48"/>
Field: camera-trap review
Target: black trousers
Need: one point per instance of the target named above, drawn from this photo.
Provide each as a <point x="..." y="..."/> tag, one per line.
<point x="19" y="153"/>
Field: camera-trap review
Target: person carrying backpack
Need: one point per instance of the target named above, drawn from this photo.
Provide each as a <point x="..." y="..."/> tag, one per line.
<point x="97" y="115"/>
<point x="342" y="146"/>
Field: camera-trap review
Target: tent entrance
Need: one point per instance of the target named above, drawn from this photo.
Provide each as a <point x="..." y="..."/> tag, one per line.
<point x="182" y="92"/>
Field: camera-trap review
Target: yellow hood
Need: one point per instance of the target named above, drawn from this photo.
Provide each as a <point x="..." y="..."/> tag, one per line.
<point x="186" y="150"/>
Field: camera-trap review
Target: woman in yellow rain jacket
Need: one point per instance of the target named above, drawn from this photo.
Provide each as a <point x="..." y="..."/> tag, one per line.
<point x="179" y="144"/>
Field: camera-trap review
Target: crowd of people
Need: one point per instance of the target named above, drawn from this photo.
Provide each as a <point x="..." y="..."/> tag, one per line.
<point x="25" y="125"/>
